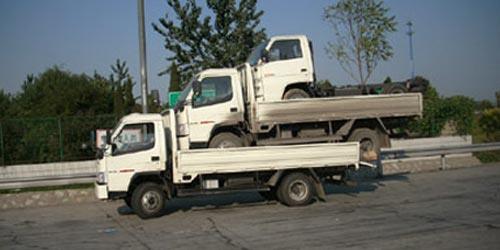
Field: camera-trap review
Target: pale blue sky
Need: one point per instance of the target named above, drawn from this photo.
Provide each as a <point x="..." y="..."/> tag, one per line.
<point x="457" y="42"/>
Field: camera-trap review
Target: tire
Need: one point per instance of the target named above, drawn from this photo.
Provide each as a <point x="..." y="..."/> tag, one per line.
<point x="128" y="200"/>
<point x="296" y="189"/>
<point x="295" y="94"/>
<point x="369" y="142"/>
<point x="226" y="140"/>
<point x="396" y="89"/>
<point x="148" y="200"/>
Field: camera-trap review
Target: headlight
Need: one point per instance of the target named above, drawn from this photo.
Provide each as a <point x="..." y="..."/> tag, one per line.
<point x="101" y="178"/>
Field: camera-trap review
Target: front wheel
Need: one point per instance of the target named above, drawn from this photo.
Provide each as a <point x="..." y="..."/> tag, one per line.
<point x="295" y="94"/>
<point x="226" y="140"/>
<point x="148" y="200"/>
<point x="296" y="189"/>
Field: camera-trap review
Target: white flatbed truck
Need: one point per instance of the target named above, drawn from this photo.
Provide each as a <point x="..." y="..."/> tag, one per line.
<point x="267" y="101"/>
<point x="152" y="168"/>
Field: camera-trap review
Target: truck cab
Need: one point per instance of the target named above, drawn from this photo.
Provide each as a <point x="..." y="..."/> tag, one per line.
<point x="280" y="65"/>
<point x="216" y="103"/>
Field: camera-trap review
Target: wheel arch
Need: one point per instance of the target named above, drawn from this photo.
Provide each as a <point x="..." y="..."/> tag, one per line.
<point x="298" y="85"/>
<point x="234" y="128"/>
<point x="150" y="176"/>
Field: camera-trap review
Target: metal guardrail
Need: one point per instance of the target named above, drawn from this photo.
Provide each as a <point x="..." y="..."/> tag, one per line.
<point x="46" y="181"/>
<point x="389" y="153"/>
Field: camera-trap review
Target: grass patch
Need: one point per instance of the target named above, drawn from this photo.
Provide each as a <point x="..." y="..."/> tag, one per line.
<point x="44" y="189"/>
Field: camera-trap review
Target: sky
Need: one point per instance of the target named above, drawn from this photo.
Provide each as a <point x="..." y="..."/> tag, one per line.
<point x="456" y="42"/>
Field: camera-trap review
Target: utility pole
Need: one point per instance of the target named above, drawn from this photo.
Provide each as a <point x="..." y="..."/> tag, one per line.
<point x="410" y="35"/>
<point x="142" y="52"/>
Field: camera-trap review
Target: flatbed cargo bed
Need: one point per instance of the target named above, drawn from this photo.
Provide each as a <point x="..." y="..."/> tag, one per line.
<point x="339" y="108"/>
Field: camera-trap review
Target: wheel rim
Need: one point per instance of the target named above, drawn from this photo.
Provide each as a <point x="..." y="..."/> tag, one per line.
<point x="366" y="145"/>
<point x="298" y="190"/>
<point x="226" y="144"/>
<point x="296" y="96"/>
<point x="151" y="201"/>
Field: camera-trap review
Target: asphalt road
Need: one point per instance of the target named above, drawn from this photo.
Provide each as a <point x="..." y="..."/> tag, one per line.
<point x="456" y="209"/>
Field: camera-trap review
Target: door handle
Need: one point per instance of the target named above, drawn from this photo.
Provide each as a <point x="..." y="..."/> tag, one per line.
<point x="233" y="109"/>
<point x="155" y="158"/>
<point x="303" y="70"/>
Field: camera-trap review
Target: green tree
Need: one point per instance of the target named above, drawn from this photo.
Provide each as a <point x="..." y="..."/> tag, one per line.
<point x="5" y="102"/>
<point x="484" y="105"/>
<point x="490" y="124"/>
<point x="456" y="110"/>
<point x="122" y="87"/>
<point x="361" y="28"/>
<point x="222" y="38"/>
<point x="459" y="112"/>
<point x="174" y="78"/>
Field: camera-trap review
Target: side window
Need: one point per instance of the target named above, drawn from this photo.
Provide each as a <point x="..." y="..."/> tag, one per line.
<point x="214" y="90"/>
<point x="134" y="137"/>
<point x="284" y="50"/>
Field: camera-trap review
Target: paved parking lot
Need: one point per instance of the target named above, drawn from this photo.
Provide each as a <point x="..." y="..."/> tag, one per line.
<point x="456" y="209"/>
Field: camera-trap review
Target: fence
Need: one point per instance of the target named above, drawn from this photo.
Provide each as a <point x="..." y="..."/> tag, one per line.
<point x="50" y="139"/>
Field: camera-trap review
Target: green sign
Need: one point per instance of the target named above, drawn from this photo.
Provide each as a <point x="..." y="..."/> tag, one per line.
<point x="172" y="98"/>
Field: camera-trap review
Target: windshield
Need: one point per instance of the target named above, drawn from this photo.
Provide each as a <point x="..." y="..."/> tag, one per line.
<point x="256" y="54"/>
<point x="185" y="93"/>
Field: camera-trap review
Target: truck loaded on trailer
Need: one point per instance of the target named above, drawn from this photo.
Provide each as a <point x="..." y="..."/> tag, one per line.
<point x="269" y="101"/>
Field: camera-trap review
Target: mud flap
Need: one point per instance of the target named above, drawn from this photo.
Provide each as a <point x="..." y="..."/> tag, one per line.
<point x="318" y="185"/>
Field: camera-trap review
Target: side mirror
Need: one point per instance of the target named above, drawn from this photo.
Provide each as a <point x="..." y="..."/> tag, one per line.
<point x="265" y="56"/>
<point x="196" y="88"/>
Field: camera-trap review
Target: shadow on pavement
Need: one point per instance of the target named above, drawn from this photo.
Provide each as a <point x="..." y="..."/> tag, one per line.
<point x="365" y="183"/>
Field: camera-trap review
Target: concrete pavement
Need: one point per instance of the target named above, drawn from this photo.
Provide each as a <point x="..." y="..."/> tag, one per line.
<point x="456" y="209"/>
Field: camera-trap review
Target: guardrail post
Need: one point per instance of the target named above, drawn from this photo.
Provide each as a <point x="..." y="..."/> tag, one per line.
<point x="443" y="161"/>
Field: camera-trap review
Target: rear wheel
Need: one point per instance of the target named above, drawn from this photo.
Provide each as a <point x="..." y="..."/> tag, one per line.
<point x="296" y="189"/>
<point x="397" y="89"/>
<point x="148" y="200"/>
<point x="369" y="143"/>
<point x="226" y="140"/>
<point x="295" y="94"/>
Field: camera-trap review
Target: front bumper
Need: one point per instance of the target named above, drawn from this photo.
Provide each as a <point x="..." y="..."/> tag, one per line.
<point x="101" y="191"/>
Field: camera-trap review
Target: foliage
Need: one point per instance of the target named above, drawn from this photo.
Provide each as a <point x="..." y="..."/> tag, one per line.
<point x="387" y="80"/>
<point x="459" y="111"/>
<point x="484" y="105"/>
<point x="490" y="124"/>
<point x="456" y="110"/>
<point x="55" y="111"/>
<point x="5" y="102"/>
<point x="497" y="94"/>
<point x="174" y="78"/>
<point x="122" y="86"/>
<point x="488" y="131"/>
<point x="361" y="28"/>
<point x="222" y="38"/>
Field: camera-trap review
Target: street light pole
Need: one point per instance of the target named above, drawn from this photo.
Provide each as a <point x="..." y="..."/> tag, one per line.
<point x="142" y="52"/>
<point x="410" y="35"/>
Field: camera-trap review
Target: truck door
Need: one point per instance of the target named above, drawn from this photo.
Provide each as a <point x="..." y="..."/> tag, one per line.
<point x="134" y="149"/>
<point x="286" y="65"/>
<point x="218" y="104"/>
